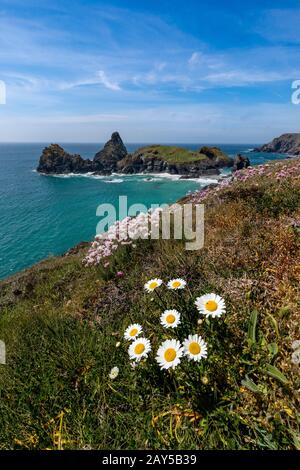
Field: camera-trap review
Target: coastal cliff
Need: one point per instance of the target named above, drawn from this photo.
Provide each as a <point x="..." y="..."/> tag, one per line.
<point x="114" y="158"/>
<point x="286" y="143"/>
<point x="63" y="323"/>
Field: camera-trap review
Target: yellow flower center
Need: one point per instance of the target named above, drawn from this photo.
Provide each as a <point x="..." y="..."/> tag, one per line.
<point x="176" y="284"/>
<point x="170" y="318"/>
<point x="211" y="306"/>
<point x="194" y="348"/>
<point x="153" y="284"/>
<point x="170" y="354"/>
<point x="139" y="349"/>
<point x="133" y="332"/>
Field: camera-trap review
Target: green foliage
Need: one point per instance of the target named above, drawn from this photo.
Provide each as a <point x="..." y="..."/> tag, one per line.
<point x="173" y="154"/>
<point x="274" y="372"/>
<point x="248" y="383"/>
<point x="252" y="327"/>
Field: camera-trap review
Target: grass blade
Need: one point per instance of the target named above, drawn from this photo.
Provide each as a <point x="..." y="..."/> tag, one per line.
<point x="252" y="327"/>
<point x="274" y="372"/>
<point x="248" y="383"/>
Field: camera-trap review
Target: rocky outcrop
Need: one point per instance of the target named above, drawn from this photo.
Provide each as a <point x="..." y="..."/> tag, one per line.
<point x="55" y="160"/>
<point x="113" y="151"/>
<point x="240" y="162"/>
<point x="213" y="153"/>
<point x="286" y="143"/>
<point x="113" y="158"/>
<point x="163" y="159"/>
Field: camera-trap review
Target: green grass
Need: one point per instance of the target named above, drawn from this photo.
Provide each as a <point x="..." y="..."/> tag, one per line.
<point x="62" y="327"/>
<point x="172" y="154"/>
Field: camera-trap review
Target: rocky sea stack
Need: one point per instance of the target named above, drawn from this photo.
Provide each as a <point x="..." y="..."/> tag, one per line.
<point x="55" y="159"/>
<point x="240" y="162"/>
<point x="286" y="143"/>
<point x="113" y="151"/>
<point x="114" y="158"/>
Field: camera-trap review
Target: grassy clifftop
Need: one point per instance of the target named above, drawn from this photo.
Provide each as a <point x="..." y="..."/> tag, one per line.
<point x="177" y="155"/>
<point x="62" y="323"/>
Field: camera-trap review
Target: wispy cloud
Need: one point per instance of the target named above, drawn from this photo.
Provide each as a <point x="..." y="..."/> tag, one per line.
<point x="107" y="82"/>
<point x="210" y="61"/>
<point x="240" y="78"/>
<point x="127" y="66"/>
<point x="171" y="59"/>
<point x="73" y="119"/>
<point x="100" y="78"/>
<point x="195" y="58"/>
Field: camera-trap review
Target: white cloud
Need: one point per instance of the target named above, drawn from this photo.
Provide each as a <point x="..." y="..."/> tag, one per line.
<point x="241" y="78"/>
<point x="100" y="78"/>
<point x="71" y="119"/>
<point x="176" y="63"/>
<point x="206" y="60"/>
<point x="107" y="82"/>
<point x="118" y="66"/>
<point x="195" y="58"/>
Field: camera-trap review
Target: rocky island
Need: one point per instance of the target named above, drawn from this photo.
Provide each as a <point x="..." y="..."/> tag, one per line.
<point x="114" y="158"/>
<point x="286" y="143"/>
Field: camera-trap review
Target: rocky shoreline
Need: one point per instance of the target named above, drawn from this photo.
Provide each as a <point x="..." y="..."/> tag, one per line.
<point x="286" y="144"/>
<point x="114" y="158"/>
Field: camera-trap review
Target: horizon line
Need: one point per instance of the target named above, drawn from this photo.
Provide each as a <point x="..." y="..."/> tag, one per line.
<point x="129" y="143"/>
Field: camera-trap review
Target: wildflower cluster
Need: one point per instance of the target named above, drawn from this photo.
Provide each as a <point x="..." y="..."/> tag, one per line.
<point x="123" y="232"/>
<point x="170" y="352"/>
<point x="280" y="171"/>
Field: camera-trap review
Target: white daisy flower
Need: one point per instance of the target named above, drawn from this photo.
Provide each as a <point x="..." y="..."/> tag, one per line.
<point x="169" y="354"/>
<point x="176" y="284"/>
<point x="210" y="305"/>
<point x="139" y="349"/>
<point x="133" y="331"/>
<point x="170" y="318"/>
<point x="114" y="373"/>
<point x="195" y="348"/>
<point x="152" y="284"/>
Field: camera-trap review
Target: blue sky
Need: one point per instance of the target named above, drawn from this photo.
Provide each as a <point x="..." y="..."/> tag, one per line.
<point x="156" y="70"/>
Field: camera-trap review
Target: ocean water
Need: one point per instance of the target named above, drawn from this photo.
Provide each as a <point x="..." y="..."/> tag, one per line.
<point x="46" y="215"/>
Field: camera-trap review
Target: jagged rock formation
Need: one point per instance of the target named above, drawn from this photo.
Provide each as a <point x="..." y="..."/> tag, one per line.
<point x="113" y="158"/>
<point x="240" y="162"/>
<point x="55" y="159"/>
<point x="286" y="143"/>
<point x="113" y="151"/>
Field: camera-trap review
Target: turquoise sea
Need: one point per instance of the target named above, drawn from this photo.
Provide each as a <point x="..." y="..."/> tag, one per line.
<point x="44" y="215"/>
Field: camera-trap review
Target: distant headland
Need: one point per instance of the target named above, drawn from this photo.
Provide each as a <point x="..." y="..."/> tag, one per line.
<point x="286" y="143"/>
<point x="114" y="158"/>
